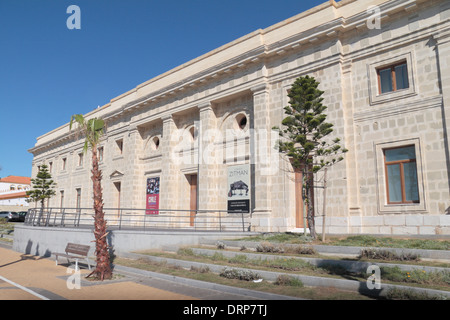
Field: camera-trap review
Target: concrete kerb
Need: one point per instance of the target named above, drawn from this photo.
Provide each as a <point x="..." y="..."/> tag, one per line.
<point x="312" y="281"/>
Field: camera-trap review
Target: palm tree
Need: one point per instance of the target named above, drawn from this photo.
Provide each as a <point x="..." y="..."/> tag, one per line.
<point x="93" y="130"/>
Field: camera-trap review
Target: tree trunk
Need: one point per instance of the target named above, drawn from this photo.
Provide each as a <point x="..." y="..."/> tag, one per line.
<point x="310" y="201"/>
<point x="103" y="269"/>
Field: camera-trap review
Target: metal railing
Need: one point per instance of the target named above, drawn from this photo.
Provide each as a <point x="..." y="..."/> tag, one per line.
<point x="141" y="219"/>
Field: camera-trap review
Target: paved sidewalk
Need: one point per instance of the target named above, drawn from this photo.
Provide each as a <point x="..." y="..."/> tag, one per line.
<point x="28" y="277"/>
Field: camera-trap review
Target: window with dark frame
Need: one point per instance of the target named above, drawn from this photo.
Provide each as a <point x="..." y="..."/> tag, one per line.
<point x="100" y="154"/>
<point x="61" y="203"/>
<point x="401" y="175"/>
<point x="393" y="77"/>
<point x="120" y="145"/>
<point x="78" y="204"/>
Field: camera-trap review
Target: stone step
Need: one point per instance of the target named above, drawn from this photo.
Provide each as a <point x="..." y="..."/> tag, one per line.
<point x="349" y="265"/>
<point x="311" y="281"/>
<point x="344" y="251"/>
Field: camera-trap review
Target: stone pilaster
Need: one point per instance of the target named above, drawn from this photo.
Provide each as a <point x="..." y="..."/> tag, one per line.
<point x="260" y="152"/>
<point x="170" y="168"/>
<point x="132" y="177"/>
<point x="443" y="56"/>
<point x="353" y="200"/>
<point x="208" y="162"/>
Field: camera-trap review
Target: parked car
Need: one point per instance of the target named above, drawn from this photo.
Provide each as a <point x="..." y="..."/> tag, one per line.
<point x="22" y="215"/>
<point x="4" y="214"/>
<point x="10" y="216"/>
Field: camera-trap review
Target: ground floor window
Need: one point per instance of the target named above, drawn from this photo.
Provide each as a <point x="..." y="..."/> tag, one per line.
<point x="78" y="203"/>
<point x="401" y="175"/>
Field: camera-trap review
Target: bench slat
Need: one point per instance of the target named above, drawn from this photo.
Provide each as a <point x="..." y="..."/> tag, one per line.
<point x="79" y="249"/>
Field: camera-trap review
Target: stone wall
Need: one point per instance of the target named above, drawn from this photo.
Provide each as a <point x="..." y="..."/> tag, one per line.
<point x="251" y="77"/>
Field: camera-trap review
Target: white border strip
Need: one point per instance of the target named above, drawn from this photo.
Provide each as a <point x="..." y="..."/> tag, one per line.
<point x="24" y="289"/>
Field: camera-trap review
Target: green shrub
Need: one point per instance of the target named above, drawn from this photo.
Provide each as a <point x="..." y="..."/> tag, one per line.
<point x="284" y="280"/>
<point x="269" y="247"/>
<point x="239" y="274"/>
<point x="220" y="245"/>
<point x="201" y="269"/>
<point x="409" y="294"/>
<point x="387" y="255"/>
<point x="303" y="250"/>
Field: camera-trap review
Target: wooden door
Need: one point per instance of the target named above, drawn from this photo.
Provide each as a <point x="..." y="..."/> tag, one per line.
<point x="193" y="198"/>
<point x="298" y="200"/>
<point x="300" y="210"/>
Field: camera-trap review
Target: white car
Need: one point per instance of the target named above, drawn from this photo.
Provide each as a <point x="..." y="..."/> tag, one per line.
<point x="9" y="215"/>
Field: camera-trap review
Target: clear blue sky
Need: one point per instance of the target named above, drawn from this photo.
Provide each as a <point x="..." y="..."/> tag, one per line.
<point x="48" y="72"/>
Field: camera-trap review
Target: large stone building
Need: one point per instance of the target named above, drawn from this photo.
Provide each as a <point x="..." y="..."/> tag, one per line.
<point x="385" y="68"/>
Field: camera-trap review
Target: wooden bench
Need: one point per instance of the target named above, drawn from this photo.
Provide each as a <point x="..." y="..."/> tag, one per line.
<point x="76" y="252"/>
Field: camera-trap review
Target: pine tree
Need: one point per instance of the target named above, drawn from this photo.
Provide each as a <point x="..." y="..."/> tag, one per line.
<point x="42" y="187"/>
<point x="303" y="135"/>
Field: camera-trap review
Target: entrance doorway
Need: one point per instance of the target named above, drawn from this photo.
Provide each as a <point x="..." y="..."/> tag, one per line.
<point x="193" y="198"/>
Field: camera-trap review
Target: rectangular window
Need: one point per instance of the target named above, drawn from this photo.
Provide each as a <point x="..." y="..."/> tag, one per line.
<point x="64" y="162"/>
<point x="100" y="154"/>
<point x="120" y="146"/>
<point x="80" y="159"/>
<point x="393" y="77"/>
<point x="401" y="175"/>
<point x="61" y="203"/>
<point x="78" y="204"/>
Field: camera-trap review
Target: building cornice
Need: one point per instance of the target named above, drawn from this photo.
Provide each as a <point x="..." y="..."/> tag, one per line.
<point x="212" y="67"/>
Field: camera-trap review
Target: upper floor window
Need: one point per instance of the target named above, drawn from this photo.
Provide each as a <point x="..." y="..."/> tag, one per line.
<point x="393" y="77"/>
<point x="401" y="175"/>
<point x="119" y="146"/>
<point x="100" y="154"/>
<point x="80" y="159"/>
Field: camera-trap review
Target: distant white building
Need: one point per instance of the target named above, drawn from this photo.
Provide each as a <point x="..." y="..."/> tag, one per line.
<point x="13" y="191"/>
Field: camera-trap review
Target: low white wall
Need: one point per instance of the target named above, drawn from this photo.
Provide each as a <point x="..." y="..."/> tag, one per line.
<point x="41" y="241"/>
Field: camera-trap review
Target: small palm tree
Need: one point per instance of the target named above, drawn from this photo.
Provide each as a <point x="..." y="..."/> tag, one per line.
<point x="93" y="130"/>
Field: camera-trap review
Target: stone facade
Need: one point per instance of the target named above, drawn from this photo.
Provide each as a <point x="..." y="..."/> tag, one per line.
<point x="219" y="110"/>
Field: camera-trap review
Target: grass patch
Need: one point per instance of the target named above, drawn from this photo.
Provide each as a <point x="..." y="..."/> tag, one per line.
<point x="5" y="226"/>
<point x="386" y="255"/>
<point x="285" y="280"/>
<point x="402" y="294"/>
<point x="294" y="289"/>
<point x="357" y="241"/>
<point x="284" y="237"/>
<point x="441" y="279"/>
<point x="371" y="241"/>
<point x="434" y="280"/>
<point x="267" y="247"/>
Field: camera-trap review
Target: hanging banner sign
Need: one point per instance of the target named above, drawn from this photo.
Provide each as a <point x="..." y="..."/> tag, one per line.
<point x="152" y="196"/>
<point x="239" y="188"/>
